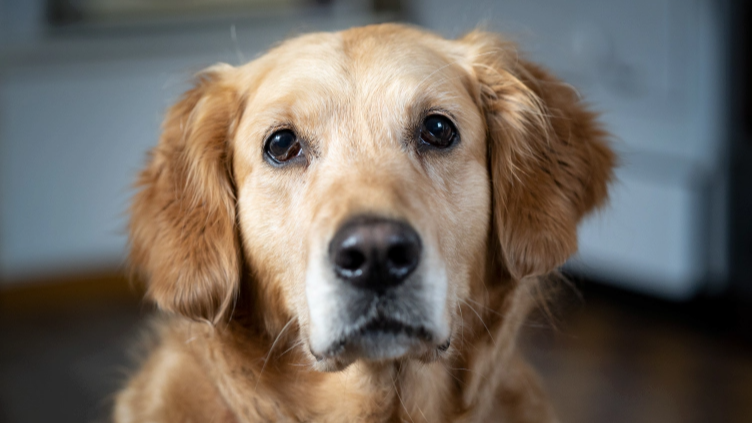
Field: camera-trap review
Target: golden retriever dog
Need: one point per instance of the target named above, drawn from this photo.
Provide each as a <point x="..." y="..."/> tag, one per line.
<point x="352" y="228"/>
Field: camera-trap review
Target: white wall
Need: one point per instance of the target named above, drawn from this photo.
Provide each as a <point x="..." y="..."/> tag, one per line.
<point x="77" y="134"/>
<point x="20" y="20"/>
<point x="77" y="116"/>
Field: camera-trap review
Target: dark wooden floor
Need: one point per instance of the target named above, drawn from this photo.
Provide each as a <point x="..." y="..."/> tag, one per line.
<point x="63" y="367"/>
<point x="615" y="357"/>
<point x="610" y="359"/>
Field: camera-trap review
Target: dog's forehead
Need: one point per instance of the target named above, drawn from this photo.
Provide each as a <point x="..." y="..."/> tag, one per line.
<point x="383" y="72"/>
<point x="396" y="54"/>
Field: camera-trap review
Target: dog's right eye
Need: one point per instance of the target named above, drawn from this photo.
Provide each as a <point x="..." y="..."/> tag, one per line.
<point x="282" y="146"/>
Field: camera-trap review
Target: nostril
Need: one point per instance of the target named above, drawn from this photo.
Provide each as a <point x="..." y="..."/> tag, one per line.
<point x="350" y="262"/>
<point x="402" y="258"/>
<point x="401" y="255"/>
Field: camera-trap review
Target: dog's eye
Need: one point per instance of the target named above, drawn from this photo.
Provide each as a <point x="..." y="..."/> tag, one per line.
<point x="282" y="146"/>
<point x="438" y="131"/>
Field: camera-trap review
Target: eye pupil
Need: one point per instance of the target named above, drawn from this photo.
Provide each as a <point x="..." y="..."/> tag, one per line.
<point x="438" y="131"/>
<point x="282" y="146"/>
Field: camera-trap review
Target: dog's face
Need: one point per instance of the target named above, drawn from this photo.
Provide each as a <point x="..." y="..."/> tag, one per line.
<point x="363" y="190"/>
<point x="362" y="179"/>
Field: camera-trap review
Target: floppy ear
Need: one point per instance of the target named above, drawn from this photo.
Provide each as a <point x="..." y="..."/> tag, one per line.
<point x="182" y="227"/>
<point x="548" y="157"/>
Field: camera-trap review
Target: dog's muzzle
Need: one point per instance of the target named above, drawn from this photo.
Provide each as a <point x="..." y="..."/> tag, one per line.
<point x="375" y="297"/>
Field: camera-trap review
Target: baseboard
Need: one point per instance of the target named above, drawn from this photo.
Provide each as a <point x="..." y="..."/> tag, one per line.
<point x="69" y="292"/>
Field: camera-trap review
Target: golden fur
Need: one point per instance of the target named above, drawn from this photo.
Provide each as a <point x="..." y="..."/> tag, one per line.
<point x="224" y="240"/>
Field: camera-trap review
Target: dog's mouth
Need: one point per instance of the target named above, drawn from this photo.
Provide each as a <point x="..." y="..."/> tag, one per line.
<point x="382" y="338"/>
<point x="394" y="327"/>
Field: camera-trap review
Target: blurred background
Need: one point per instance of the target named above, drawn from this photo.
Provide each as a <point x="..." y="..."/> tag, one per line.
<point x="656" y="323"/>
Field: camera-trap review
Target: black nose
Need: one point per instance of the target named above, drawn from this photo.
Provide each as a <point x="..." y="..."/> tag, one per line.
<point x="375" y="253"/>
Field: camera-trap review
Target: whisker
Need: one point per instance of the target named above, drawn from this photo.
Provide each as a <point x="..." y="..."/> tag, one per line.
<point x="485" y="307"/>
<point x="481" y="321"/>
<point x="452" y="375"/>
<point x="297" y="344"/>
<point x="396" y="391"/>
<point x="421" y="413"/>
<point x="268" y="355"/>
<point x="462" y="323"/>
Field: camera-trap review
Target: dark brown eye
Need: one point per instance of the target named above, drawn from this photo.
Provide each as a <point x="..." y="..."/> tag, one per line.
<point x="438" y="131"/>
<point x="282" y="146"/>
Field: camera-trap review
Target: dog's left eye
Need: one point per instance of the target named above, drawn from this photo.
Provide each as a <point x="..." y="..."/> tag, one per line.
<point x="282" y="146"/>
<point x="438" y="131"/>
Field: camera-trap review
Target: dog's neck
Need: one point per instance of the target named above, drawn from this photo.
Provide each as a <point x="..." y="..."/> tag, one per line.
<point x="277" y="387"/>
<point x="261" y="384"/>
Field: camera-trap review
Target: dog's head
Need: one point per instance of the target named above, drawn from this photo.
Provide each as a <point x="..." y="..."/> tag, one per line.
<point x="362" y="185"/>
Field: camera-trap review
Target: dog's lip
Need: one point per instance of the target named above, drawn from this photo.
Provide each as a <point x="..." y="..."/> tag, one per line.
<point x="376" y="326"/>
<point x="445" y="345"/>
<point x="390" y="325"/>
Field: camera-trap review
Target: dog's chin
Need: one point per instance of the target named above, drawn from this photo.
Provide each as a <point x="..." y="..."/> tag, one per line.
<point x="381" y="341"/>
